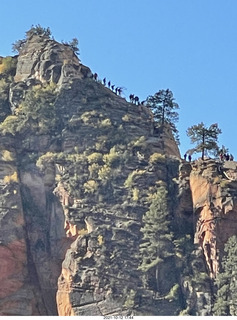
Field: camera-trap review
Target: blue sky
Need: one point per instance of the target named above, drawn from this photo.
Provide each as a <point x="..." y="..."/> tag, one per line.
<point x="188" y="46"/>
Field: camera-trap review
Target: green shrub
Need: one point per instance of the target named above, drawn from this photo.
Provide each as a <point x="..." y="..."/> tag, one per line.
<point x="157" y="158"/>
<point x="95" y="157"/>
<point x="130" y="300"/>
<point x="105" y="123"/>
<point x="45" y="159"/>
<point x="112" y="159"/>
<point x="11" y="178"/>
<point x="90" y="186"/>
<point x="8" y="65"/>
<point x="93" y="170"/>
<point x="135" y="194"/>
<point x="7" y="155"/>
<point x="37" y="113"/>
<point x="105" y="173"/>
<point x="173" y="293"/>
<point x="131" y="177"/>
<point x="3" y="85"/>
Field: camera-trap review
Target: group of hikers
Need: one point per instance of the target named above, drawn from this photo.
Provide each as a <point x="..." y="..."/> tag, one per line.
<point x="226" y="157"/>
<point x="118" y="90"/>
<point x="189" y="157"/>
<point x="222" y="156"/>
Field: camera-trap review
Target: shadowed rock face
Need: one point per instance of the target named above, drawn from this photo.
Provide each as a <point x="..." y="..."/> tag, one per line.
<point x="71" y="225"/>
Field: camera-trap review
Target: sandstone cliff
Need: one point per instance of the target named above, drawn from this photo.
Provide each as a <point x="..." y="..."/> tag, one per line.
<point x="79" y="169"/>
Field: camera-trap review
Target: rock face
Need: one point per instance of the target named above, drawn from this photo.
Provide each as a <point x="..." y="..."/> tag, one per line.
<point x="213" y="187"/>
<point x="79" y="169"/>
<point x="47" y="60"/>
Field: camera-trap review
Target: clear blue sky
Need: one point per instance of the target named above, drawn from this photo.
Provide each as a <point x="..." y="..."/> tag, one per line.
<point x="188" y="46"/>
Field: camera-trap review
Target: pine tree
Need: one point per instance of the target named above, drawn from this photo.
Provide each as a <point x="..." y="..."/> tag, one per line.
<point x="205" y="138"/>
<point x="157" y="238"/>
<point x="226" y="282"/>
<point x="163" y="107"/>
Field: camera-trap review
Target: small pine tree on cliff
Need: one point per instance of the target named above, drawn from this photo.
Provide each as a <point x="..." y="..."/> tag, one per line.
<point x="157" y="239"/>
<point x="164" y="108"/>
<point x="226" y="282"/>
<point x="205" y="138"/>
<point x="73" y="44"/>
<point x="34" y="30"/>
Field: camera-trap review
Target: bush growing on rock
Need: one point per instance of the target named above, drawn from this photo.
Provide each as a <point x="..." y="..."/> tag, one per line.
<point x="37" y="113"/>
<point x="157" y="158"/>
<point x="8" y="65"/>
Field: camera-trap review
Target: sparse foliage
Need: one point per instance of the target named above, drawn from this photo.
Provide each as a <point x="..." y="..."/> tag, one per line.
<point x="164" y="108"/>
<point x="73" y="44"/>
<point x="205" y="138"/>
<point x="8" y="66"/>
<point x="226" y="282"/>
<point x="37" y="114"/>
<point x="18" y="45"/>
<point x="39" y="31"/>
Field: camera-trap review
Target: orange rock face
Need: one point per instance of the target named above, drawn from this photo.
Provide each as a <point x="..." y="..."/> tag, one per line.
<point x="12" y="267"/>
<point x="215" y="211"/>
<point x="63" y="299"/>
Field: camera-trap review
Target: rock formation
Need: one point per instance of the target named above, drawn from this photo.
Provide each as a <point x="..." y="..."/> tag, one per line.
<point x="79" y="167"/>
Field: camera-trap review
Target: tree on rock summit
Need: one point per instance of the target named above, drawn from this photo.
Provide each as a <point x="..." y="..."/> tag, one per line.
<point x="205" y="138"/>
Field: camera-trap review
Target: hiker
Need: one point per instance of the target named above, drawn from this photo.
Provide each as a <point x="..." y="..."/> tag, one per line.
<point x="104" y="81"/>
<point x="131" y="97"/>
<point x="109" y="83"/>
<point x="231" y="157"/>
<point x="95" y="76"/>
<point x="189" y="158"/>
<point x="136" y="99"/>
<point x="185" y="156"/>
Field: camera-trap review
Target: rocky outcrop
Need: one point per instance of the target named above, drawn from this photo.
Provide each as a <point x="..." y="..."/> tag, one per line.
<point x="76" y="180"/>
<point x="214" y="202"/>
<point x="46" y="60"/>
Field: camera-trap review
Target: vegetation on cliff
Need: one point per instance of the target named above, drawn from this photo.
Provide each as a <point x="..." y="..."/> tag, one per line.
<point x="164" y="108"/>
<point x="226" y="282"/>
<point x="72" y="146"/>
<point x="205" y="138"/>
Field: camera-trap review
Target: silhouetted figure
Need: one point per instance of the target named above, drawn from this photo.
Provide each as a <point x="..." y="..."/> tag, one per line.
<point x="227" y="157"/>
<point x="116" y="90"/>
<point x="104" y="81"/>
<point x="136" y="100"/>
<point x="119" y="91"/>
<point x="95" y="76"/>
<point x="112" y="87"/>
<point x="143" y="102"/>
<point x="189" y="158"/>
<point x="131" y="97"/>
<point x="109" y="83"/>
<point x="231" y="157"/>
<point x="185" y="156"/>
<point x="221" y="156"/>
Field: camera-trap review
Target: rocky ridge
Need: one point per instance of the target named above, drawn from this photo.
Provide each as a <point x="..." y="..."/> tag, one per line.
<point x="74" y="191"/>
